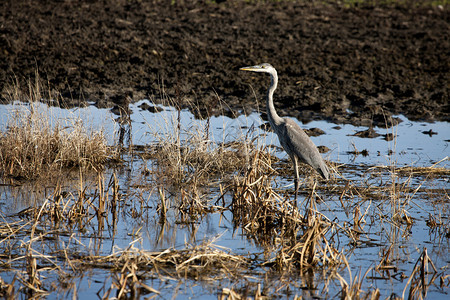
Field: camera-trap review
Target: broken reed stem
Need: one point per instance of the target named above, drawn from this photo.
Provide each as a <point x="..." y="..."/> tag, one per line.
<point x="163" y="208"/>
<point x="419" y="283"/>
<point x="353" y="290"/>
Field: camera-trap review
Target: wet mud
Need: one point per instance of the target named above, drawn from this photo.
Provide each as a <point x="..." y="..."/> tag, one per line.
<point x="356" y="64"/>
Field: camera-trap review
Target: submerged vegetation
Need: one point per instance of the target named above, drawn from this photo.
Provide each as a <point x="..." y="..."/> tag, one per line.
<point x="308" y="248"/>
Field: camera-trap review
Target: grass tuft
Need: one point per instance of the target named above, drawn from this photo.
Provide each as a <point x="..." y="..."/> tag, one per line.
<point x="34" y="145"/>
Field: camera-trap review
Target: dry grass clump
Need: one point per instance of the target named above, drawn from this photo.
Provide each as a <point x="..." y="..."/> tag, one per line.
<point x="273" y="221"/>
<point x="430" y="171"/>
<point x="35" y="144"/>
<point x="189" y="157"/>
<point x="200" y="262"/>
<point x="312" y="248"/>
<point x="194" y="162"/>
<point x="257" y="208"/>
<point x="31" y="147"/>
<point x="195" y="261"/>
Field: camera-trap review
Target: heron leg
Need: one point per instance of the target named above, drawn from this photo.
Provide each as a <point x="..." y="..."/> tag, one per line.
<point x="297" y="177"/>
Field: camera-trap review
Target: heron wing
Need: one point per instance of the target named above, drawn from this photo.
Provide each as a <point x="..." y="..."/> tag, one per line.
<point x="297" y="142"/>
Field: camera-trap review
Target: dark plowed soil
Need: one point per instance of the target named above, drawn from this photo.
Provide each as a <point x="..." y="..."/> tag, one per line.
<point x="341" y="63"/>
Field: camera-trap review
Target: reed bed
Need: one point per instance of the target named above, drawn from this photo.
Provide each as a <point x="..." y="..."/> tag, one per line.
<point x="182" y="179"/>
<point x="300" y="240"/>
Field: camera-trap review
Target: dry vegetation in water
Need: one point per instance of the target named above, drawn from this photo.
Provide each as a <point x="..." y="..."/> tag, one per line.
<point x="194" y="159"/>
<point x="36" y="144"/>
<point x="273" y="221"/>
<point x="67" y="213"/>
<point x="188" y="174"/>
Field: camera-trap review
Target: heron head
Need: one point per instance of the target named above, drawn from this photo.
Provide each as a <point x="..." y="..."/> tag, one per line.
<point x="265" y="68"/>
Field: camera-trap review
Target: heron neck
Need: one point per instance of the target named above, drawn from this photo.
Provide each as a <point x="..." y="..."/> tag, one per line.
<point x="274" y="119"/>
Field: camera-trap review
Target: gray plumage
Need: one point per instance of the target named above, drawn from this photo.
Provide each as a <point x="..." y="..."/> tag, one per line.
<point x="294" y="140"/>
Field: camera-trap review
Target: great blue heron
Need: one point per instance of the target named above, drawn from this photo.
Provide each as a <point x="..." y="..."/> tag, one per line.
<point x="293" y="139"/>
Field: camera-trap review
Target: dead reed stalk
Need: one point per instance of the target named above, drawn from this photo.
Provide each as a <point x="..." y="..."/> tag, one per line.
<point x="419" y="277"/>
<point x="353" y="290"/>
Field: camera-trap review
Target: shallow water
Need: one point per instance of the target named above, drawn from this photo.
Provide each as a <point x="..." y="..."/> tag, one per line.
<point x="144" y="230"/>
<point x="411" y="146"/>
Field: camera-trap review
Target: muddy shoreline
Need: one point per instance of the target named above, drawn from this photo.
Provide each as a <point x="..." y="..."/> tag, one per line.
<point x="344" y="64"/>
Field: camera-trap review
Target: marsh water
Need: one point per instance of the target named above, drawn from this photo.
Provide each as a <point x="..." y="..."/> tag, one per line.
<point x="366" y="162"/>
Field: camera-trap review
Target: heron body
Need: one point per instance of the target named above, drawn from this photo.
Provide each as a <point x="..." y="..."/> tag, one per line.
<point x="294" y="140"/>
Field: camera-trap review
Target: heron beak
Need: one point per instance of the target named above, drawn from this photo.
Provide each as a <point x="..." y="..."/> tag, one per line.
<point x="250" y="68"/>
